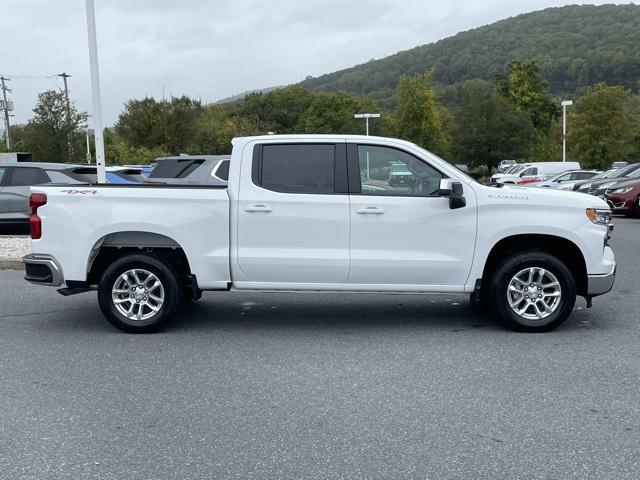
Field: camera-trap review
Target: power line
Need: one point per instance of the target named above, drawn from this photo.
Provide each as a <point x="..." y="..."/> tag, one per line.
<point x="29" y="77"/>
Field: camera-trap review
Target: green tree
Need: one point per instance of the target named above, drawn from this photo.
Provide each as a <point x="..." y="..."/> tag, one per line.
<point x="48" y="134"/>
<point x="526" y="90"/>
<point x="277" y="111"/>
<point x="119" y="152"/>
<point x="333" y="113"/>
<point x="487" y="127"/>
<point x="602" y="129"/>
<point x="170" y="125"/>
<point x="417" y="115"/>
<point x="215" y="130"/>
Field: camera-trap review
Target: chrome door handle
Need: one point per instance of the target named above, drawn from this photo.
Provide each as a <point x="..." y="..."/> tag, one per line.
<point x="370" y="210"/>
<point x="258" y="208"/>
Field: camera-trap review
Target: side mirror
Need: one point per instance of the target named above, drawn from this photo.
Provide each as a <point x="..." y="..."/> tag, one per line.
<point x="453" y="190"/>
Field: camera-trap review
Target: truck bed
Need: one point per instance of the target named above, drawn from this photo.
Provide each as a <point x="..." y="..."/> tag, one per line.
<point x="79" y="219"/>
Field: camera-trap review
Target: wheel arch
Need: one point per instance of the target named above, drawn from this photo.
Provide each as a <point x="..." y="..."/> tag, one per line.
<point x="116" y="244"/>
<point x="564" y="249"/>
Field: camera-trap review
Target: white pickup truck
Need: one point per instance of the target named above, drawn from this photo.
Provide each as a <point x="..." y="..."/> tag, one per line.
<point x="318" y="213"/>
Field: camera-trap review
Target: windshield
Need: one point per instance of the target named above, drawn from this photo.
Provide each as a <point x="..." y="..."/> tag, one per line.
<point x="625" y="171"/>
<point x="603" y="174"/>
<point x="557" y="175"/>
<point x="517" y="168"/>
<point x="634" y="174"/>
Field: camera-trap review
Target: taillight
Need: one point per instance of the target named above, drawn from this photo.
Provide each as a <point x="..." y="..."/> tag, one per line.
<point x="36" y="200"/>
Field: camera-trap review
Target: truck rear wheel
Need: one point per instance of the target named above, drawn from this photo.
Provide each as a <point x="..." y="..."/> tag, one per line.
<point x="532" y="291"/>
<point x="139" y="293"/>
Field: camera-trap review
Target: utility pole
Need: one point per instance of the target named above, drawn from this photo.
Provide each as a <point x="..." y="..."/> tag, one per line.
<point x="64" y="76"/>
<point x="5" y="105"/>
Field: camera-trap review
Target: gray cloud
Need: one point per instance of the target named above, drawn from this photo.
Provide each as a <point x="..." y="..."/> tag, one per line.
<point x="214" y="49"/>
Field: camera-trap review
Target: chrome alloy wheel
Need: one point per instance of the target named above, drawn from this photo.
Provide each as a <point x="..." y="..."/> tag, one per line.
<point x="534" y="293"/>
<point x="138" y="294"/>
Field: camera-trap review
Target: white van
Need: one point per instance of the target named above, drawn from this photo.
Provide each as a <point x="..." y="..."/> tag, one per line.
<point x="535" y="172"/>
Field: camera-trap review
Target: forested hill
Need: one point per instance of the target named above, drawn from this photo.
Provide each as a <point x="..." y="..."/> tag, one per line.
<point x="575" y="46"/>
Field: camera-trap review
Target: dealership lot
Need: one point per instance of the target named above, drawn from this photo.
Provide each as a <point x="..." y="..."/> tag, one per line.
<point x="320" y="386"/>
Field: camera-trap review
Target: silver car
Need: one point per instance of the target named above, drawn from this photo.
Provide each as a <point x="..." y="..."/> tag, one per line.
<point x="565" y="180"/>
<point x="190" y="170"/>
<point x="15" y="180"/>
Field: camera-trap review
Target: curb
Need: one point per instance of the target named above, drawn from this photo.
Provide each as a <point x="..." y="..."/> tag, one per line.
<point x="11" y="265"/>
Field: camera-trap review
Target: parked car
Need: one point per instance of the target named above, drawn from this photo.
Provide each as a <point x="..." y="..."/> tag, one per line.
<point x="124" y="175"/>
<point x="504" y="165"/>
<point x="15" y="180"/>
<point x="399" y="175"/>
<point x="565" y="179"/>
<point x="615" y="183"/>
<point x="496" y="178"/>
<point x="624" y="198"/>
<point x="536" y="172"/>
<point x="295" y="217"/>
<point x="598" y="187"/>
<point x="191" y="169"/>
<point x="600" y="176"/>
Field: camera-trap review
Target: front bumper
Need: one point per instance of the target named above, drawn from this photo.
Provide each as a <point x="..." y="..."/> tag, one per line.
<point x="601" y="284"/>
<point x="42" y="269"/>
<point x="619" y="204"/>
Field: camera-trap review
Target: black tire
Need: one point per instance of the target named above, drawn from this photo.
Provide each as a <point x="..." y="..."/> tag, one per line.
<point x="170" y="290"/>
<point x="636" y="208"/>
<point x="508" y="269"/>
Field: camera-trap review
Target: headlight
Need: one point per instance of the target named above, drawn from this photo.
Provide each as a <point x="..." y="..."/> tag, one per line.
<point x="621" y="190"/>
<point x="586" y="186"/>
<point x="606" y="185"/>
<point x="599" y="216"/>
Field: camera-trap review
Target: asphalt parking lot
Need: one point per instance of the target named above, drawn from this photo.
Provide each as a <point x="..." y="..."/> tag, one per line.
<point x="274" y="386"/>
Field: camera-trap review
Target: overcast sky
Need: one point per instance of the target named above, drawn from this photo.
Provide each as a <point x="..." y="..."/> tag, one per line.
<point x="214" y="49"/>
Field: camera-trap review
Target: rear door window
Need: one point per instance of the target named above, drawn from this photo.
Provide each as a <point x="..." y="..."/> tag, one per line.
<point x="295" y="168"/>
<point x="26" y="176"/>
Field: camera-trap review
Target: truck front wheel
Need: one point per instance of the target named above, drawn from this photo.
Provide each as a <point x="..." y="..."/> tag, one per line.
<point x="532" y="291"/>
<point x="139" y="293"/>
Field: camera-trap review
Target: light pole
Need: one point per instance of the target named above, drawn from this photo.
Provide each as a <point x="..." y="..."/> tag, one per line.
<point x="98" y="133"/>
<point x="565" y="104"/>
<point x="367" y="116"/>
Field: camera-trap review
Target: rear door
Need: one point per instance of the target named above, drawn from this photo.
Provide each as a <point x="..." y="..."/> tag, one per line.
<point x="404" y="234"/>
<point x="293" y="215"/>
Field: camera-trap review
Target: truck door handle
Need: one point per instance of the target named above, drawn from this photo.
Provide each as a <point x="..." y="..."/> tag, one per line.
<point x="370" y="210"/>
<point x="258" y="207"/>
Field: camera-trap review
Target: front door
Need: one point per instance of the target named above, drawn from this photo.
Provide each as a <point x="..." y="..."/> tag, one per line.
<point x="293" y="216"/>
<point x="402" y="232"/>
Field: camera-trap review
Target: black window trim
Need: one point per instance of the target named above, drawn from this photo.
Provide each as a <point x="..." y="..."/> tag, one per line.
<point x="340" y="168"/>
<point x="355" y="183"/>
